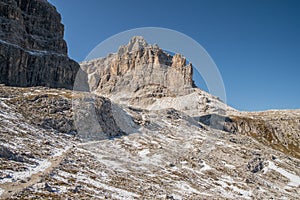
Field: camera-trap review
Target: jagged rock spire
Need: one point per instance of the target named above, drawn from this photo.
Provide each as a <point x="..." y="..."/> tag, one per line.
<point x="136" y="43"/>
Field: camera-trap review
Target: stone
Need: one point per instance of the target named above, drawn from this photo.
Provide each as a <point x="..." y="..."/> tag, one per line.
<point x="32" y="49"/>
<point x="8" y="154"/>
<point x="70" y="112"/>
<point x="145" y="76"/>
<point x="255" y="165"/>
<point x="49" y="188"/>
<point x="139" y="66"/>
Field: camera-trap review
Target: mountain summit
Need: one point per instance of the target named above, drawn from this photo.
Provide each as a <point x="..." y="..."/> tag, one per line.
<point x="136" y="43"/>
<point x="145" y="76"/>
<point x="138" y="65"/>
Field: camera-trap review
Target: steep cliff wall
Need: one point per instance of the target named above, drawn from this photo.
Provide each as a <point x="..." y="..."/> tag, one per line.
<point x="138" y="67"/>
<point x="32" y="49"/>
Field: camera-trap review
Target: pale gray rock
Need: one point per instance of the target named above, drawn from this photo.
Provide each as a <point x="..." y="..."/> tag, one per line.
<point x="87" y="116"/>
<point x="140" y="67"/>
<point x="145" y="76"/>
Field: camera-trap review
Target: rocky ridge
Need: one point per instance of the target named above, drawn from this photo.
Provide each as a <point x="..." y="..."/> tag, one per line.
<point x="32" y="49"/>
<point x="66" y="112"/>
<point x="277" y="129"/>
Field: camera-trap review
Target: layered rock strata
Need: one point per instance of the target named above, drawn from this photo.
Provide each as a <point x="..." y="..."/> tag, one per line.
<point x="32" y="49"/>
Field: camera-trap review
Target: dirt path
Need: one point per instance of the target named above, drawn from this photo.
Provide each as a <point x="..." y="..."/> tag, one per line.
<point x="83" y="144"/>
<point x="12" y="188"/>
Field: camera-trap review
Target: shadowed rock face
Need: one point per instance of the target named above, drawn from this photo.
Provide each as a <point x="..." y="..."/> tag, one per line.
<point x="32" y="49"/>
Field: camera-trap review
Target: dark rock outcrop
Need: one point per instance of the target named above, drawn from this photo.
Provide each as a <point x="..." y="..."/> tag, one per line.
<point x="32" y="49"/>
<point x="255" y="165"/>
<point x="8" y="154"/>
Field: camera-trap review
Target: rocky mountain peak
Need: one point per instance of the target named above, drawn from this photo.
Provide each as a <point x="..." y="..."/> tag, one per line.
<point x="139" y="67"/>
<point x="136" y="43"/>
<point x="145" y="76"/>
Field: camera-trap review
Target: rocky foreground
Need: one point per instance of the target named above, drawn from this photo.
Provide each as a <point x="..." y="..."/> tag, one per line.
<point x="157" y="154"/>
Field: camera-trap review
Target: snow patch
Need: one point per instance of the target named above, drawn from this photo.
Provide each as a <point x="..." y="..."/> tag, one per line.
<point x="42" y="166"/>
<point x="31" y="51"/>
<point x="228" y="165"/>
<point x="184" y="187"/>
<point x="62" y="189"/>
<point x="294" y="179"/>
<point x="184" y="162"/>
<point x="143" y="153"/>
<point x="121" y="194"/>
<point x="246" y="194"/>
<point x="228" y="179"/>
<point x="60" y="178"/>
<point x="4" y="105"/>
<point x="60" y="152"/>
<point x="205" y="167"/>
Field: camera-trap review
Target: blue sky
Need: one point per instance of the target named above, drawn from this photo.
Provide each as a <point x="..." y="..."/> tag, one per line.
<point x="255" y="43"/>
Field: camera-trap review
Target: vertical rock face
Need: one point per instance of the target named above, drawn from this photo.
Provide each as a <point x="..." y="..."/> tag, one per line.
<point x="145" y="76"/>
<point x="140" y="67"/>
<point x="32" y="49"/>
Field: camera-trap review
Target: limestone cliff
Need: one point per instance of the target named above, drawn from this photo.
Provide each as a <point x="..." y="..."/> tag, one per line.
<point x="147" y="77"/>
<point x="32" y="49"/>
<point x="137" y="66"/>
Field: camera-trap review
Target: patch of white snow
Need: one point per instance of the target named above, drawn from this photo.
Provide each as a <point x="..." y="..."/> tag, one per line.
<point x="294" y="179"/>
<point x="42" y="166"/>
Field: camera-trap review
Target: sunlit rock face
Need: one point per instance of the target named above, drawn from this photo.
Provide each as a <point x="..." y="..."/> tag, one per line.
<point x="139" y="65"/>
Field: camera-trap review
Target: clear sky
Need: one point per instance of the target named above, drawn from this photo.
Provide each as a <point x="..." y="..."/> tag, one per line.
<point x="255" y="43"/>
